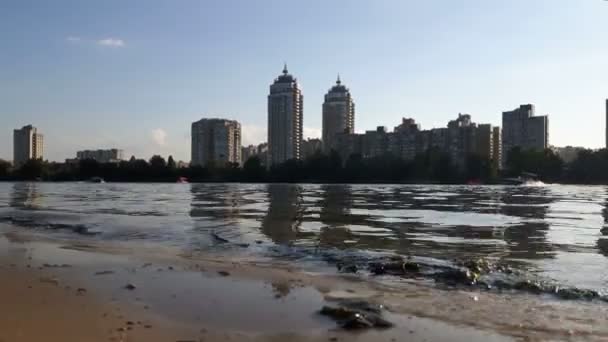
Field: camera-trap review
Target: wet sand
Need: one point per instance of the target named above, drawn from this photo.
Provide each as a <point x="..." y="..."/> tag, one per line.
<point x="54" y="290"/>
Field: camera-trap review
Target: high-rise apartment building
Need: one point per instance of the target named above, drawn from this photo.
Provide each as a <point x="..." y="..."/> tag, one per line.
<point x="484" y="142"/>
<point x="496" y="148"/>
<point x="216" y="141"/>
<point x="101" y="156"/>
<point x="338" y="114"/>
<point x="285" y="116"/>
<point x="405" y="142"/>
<point x="520" y="128"/>
<point x="27" y="144"/>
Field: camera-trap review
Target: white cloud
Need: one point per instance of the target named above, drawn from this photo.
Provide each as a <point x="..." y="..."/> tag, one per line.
<point x="73" y="39"/>
<point x="159" y="136"/>
<point x="253" y="134"/>
<point x="312" y="132"/>
<point x="111" y="42"/>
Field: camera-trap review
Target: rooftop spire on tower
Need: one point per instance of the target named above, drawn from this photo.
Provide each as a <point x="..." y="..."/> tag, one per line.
<point x="338" y="81"/>
<point x="285" y="72"/>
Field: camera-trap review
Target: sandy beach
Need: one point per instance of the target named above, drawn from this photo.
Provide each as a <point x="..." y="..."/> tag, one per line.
<point x="65" y="290"/>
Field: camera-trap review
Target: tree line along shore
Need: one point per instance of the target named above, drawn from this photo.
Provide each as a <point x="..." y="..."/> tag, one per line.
<point x="434" y="166"/>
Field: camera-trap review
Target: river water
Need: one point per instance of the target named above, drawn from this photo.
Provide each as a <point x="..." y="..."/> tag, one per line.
<point x="552" y="232"/>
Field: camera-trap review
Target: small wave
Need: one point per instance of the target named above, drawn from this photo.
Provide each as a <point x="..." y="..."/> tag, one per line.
<point x="534" y="183"/>
<point x="77" y="228"/>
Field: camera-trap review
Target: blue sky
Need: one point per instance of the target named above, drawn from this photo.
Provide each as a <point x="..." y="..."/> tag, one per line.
<point x="134" y="74"/>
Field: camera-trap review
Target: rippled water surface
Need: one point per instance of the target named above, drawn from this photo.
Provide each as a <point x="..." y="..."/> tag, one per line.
<point x="553" y="231"/>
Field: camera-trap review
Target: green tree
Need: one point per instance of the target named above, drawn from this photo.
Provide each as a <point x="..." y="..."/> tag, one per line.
<point x="158" y="162"/>
<point x="253" y="170"/>
<point x="354" y="168"/>
<point x="4" y="168"/>
<point x="589" y="167"/>
<point x="171" y="163"/>
<point x="89" y="168"/>
<point x="33" y="169"/>
<point x="546" y="164"/>
<point x="478" y="168"/>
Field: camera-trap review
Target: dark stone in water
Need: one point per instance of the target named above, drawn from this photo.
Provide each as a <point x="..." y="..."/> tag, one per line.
<point x="355" y="315"/>
<point x="529" y="286"/>
<point x="218" y="238"/>
<point x="573" y="293"/>
<point x="104" y="272"/>
<point x="478" y="266"/>
<point x="457" y="277"/>
<point x="411" y="266"/>
<point x="350" y="268"/>
<point x="338" y="313"/>
<point x="357" y="321"/>
<point x="394" y="267"/>
<point x="362" y="305"/>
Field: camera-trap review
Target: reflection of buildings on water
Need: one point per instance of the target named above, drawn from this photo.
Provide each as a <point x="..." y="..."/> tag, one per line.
<point x="602" y="241"/>
<point x="215" y="208"/>
<point x="528" y="239"/>
<point x="335" y="205"/>
<point x="344" y="230"/>
<point x="284" y="217"/>
<point x="215" y="201"/>
<point x="335" y="215"/>
<point x="25" y="195"/>
<point x="602" y="245"/>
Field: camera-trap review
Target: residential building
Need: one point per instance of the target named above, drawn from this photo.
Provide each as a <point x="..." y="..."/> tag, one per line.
<point x="101" y="156"/>
<point x="338" y="114"/>
<point x="285" y="116"/>
<point x="310" y="147"/>
<point x="406" y="139"/>
<point x="216" y="142"/>
<point x="376" y="143"/>
<point x="347" y="144"/>
<point x="27" y="144"/>
<point x="460" y="139"/>
<point x="248" y="152"/>
<point x="182" y="164"/>
<point x="263" y="153"/>
<point x="484" y="141"/>
<point x="521" y="128"/>
<point x="497" y="148"/>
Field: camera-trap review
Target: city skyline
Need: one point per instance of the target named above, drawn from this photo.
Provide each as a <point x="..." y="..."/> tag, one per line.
<point x="108" y="76"/>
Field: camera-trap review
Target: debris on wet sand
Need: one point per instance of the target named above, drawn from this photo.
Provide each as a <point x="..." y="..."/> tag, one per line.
<point x="354" y="315"/>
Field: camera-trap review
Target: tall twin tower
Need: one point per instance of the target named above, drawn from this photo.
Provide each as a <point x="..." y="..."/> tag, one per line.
<point x="286" y="112"/>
